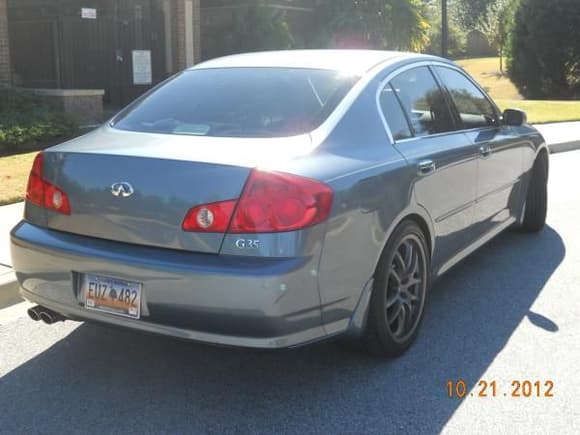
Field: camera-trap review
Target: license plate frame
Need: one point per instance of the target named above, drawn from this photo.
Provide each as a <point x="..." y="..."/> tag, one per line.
<point x="110" y="295"/>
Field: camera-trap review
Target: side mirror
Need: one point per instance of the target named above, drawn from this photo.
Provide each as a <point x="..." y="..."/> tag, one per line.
<point x="514" y="117"/>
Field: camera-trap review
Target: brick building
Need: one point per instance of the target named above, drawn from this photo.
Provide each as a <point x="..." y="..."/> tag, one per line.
<point x="82" y="51"/>
<point x="80" y="54"/>
<point x="4" y="46"/>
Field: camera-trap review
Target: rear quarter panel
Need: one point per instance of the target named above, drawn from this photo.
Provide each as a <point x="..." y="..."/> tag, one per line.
<point x="372" y="194"/>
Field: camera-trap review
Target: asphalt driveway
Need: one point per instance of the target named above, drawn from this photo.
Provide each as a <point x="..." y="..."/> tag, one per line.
<point x="509" y="313"/>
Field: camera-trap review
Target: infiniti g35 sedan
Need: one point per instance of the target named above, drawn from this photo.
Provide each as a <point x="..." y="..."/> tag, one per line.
<point x="274" y="199"/>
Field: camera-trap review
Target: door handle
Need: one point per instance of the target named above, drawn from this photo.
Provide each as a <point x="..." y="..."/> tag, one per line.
<point x="426" y="167"/>
<point x="485" y="151"/>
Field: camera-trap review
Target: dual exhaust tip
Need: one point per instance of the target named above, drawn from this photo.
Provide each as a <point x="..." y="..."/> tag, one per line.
<point x="47" y="316"/>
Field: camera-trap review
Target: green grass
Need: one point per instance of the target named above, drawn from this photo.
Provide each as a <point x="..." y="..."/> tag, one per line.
<point x="14" y="172"/>
<point x="543" y="112"/>
<point x="486" y="71"/>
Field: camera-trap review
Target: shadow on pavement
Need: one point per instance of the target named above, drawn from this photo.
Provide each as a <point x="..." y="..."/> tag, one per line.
<point x="102" y="380"/>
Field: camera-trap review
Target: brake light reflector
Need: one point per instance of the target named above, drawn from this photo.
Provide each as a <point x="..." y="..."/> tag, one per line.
<point x="55" y="199"/>
<point x="44" y="194"/>
<point x="209" y="218"/>
<point x="275" y="202"/>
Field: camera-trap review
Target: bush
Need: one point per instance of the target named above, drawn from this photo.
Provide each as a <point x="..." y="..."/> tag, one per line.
<point x="25" y="120"/>
<point x="457" y="37"/>
<point x="380" y="24"/>
<point x="253" y="28"/>
<point x="544" y="51"/>
<point x="456" y="44"/>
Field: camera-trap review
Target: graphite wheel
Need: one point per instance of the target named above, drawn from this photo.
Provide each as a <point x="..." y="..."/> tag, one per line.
<point x="399" y="293"/>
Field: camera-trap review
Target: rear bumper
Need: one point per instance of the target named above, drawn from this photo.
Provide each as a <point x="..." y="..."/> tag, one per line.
<point x="227" y="300"/>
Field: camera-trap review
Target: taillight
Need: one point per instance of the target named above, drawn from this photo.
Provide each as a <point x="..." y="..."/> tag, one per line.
<point x="271" y="202"/>
<point x="44" y="194"/>
<point x="35" y="188"/>
<point x="209" y="218"/>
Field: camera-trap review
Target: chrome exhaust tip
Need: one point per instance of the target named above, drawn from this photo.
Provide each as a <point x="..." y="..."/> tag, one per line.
<point x="47" y="316"/>
<point x="34" y="314"/>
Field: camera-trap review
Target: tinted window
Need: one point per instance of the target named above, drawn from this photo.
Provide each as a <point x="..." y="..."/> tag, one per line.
<point x="423" y="102"/>
<point x="239" y="102"/>
<point x="474" y="108"/>
<point x="394" y="114"/>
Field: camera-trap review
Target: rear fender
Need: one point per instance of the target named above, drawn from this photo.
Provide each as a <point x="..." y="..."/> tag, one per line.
<point x="416" y="213"/>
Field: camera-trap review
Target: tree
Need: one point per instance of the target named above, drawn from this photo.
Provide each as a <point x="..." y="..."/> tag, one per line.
<point x="544" y="49"/>
<point x="254" y="28"/>
<point x="384" y="24"/>
<point x="469" y="12"/>
<point x="455" y="35"/>
<point x="495" y="24"/>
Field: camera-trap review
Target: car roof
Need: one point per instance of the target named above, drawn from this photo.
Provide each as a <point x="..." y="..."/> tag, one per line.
<point x="356" y="62"/>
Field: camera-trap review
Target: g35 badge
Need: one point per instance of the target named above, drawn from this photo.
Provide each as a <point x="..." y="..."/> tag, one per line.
<point x="247" y="244"/>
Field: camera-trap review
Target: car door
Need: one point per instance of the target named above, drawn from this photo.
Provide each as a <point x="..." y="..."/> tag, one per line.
<point x="443" y="160"/>
<point x="500" y="152"/>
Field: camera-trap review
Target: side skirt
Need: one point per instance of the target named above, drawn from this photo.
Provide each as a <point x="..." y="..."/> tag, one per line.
<point x="473" y="247"/>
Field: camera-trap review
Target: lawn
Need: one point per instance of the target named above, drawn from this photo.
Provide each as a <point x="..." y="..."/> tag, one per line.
<point x="14" y="172"/>
<point x="502" y="90"/>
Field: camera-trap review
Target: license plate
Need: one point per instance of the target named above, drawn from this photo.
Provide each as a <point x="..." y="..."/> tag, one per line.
<point x="112" y="295"/>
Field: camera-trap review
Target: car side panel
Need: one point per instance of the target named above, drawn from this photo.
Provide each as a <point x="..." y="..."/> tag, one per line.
<point x="499" y="176"/>
<point x="534" y="143"/>
<point x="371" y="183"/>
<point x="448" y="194"/>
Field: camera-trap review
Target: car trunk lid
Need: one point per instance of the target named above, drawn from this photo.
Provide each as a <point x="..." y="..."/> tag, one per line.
<point x="168" y="175"/>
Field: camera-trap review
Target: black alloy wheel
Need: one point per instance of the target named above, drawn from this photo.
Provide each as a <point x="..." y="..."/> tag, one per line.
<point x="399" y="293"/>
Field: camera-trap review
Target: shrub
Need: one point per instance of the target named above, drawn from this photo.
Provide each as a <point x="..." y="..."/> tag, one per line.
<point x="456" y="42"/>
<point x="544" y="52"/>
<point x="456" y="38"/>
<point x="26" y="120"/>
<point x="380" y="24"/>
<point x="253" y="28"/>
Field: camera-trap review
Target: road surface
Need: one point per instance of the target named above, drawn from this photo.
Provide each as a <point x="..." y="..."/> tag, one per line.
<point x="510" y="313"/>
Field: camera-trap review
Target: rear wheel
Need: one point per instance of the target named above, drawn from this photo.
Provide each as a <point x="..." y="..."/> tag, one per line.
<point x="399" y="293"/>
<point x="536" y="205"/>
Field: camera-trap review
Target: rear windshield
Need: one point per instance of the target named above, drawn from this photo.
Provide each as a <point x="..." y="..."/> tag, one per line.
<point x="239" y="102"/>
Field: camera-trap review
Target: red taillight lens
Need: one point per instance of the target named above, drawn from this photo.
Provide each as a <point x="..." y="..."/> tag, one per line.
<point x="44" y="194"/>
<point x="209" y="218"/>
<point x="55" y="199"/>
<point x="274" y="202"/>
<point x="271" y="202"/>
<point x="35" y="188"/>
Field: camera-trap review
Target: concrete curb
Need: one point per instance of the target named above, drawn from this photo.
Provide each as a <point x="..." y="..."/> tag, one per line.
<point x="565" y="146"/>
<point x="9" y="289"/>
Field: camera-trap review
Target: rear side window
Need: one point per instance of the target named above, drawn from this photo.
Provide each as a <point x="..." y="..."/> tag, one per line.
<point x="394" y="115"/>
<point x="239" y="102"/>
<point x="423" y="101"/>
<point x="474" y="109"/>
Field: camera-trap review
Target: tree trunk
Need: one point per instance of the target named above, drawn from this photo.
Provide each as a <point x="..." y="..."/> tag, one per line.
<point x="444" y="29"/>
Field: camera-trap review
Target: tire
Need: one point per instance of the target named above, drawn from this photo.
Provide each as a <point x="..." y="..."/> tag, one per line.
<point x="536" y="205"/>
<point x="400" y="291"/>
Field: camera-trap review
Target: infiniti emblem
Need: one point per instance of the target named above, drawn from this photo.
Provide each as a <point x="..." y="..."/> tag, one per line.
<point x="122" y="190"/>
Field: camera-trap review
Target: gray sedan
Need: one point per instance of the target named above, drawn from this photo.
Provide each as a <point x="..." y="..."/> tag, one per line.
<point x="275" y="199"/>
